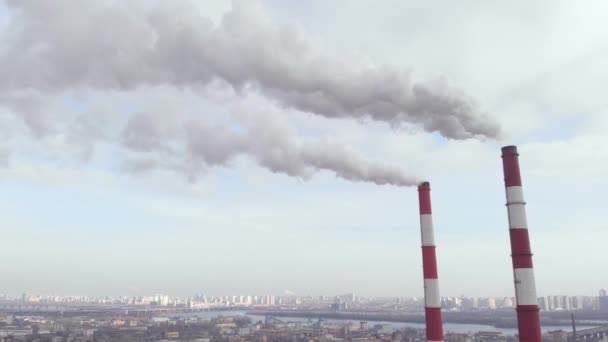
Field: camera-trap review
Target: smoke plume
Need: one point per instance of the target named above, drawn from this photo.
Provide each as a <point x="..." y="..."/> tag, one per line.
<point x="66" y="44"/>
<point x="53" y="48"/>
<point x="192" y="147"/>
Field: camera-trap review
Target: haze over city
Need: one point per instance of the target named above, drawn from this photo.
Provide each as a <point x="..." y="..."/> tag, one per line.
<point x="145" y="148"/>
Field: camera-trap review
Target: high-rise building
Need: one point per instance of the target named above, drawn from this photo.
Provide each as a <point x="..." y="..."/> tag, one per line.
<point x="542" y="304"/>
<point x="556" y="303"/>
<point x="269" y="300"/>
<point x="469" y="303"/>
<point x="590" y="303"/>
<point x="603" y="300"/>
<point x="564" y="302"/>
<point x="577" y="303"/>
<point x="491" y="303"/>
<point x="349" y="298"/>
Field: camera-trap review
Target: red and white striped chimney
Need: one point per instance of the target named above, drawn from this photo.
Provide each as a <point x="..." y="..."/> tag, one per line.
<point x="528" y="320"/>
<point x="432" y="300"/>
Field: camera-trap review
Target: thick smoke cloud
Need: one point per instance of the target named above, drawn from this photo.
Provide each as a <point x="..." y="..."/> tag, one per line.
<point x="67" y="47"/>
<point x="165" y="136"/>
<point x="192" y="147"/>
<point x="58" y="45"/>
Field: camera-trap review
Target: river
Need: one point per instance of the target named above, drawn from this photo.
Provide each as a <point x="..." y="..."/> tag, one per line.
<point x="448" y="327"/>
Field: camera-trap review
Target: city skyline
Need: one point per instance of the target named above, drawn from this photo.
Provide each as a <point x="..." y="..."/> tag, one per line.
<point x="85" y="215"/>
<point x="305" y="303"/>
<point x="287" y="294"/>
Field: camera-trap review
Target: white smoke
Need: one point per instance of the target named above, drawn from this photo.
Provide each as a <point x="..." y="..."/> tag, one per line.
<point x="193" y="146"/>
<point x="50" y="48"/>
<point x="122" y="45"/>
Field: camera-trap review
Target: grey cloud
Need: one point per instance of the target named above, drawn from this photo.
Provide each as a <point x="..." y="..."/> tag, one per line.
<point x="167" y="138"/>
<point x="29" y="104"/>
<point x="124" y="45"/>
<point x="4" y="156"/>
<point x="195" y="146"/>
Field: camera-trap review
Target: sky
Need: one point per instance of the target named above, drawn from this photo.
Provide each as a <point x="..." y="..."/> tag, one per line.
<point x="259" y="147"/>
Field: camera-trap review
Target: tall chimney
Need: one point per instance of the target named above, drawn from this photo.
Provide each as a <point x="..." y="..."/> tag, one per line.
<point x="528" y="320"/>
<point x="432" y="300"/>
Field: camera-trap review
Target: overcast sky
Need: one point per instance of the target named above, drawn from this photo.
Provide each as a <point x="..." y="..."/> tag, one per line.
<point x="259" y="147"/>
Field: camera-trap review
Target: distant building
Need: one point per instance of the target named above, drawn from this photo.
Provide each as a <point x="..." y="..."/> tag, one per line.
<point x="488" y="336"/>
<point x="383" y="328"/>
<point x="363" y="326"/>
<point x="469" y="303"/>
<point x="172" y="334"/>
<point x="348" y="298"/>
<point x="491" y="303"/>
<point x="603" y="300"/>
<point x="339" y="305"/>
<point x="565" y="302"/>
<point x="269" y="300"/>
<point x="542" y="303"/>
<point x="577" y="302"/>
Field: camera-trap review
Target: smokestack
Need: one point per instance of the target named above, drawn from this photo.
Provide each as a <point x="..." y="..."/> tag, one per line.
<point x="528" y="320"/>
<point x="432" y="300"/>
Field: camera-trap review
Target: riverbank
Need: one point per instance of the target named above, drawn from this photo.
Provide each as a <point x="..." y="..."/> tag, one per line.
<point x="500" y="319"/>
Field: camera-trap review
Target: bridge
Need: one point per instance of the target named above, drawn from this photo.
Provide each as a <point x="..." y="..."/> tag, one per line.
<point x="590" y="335"/>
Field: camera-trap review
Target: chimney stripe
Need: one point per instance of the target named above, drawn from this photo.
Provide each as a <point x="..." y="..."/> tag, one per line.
<point x="432" y="298"/>
<point x="426" y="227"/>
<point x="528" y="319"/>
